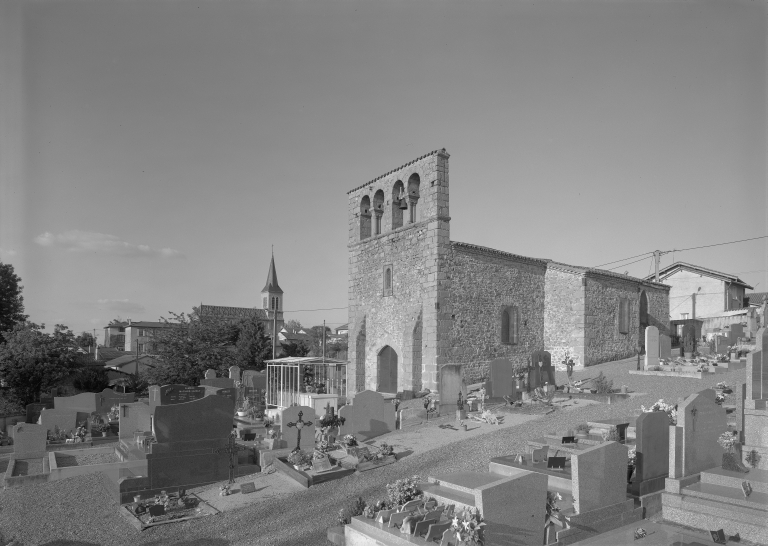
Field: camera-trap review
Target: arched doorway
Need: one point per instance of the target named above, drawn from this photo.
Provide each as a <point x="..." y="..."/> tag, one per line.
<point x="643" y="319"/>
<point x="387" y="361"/>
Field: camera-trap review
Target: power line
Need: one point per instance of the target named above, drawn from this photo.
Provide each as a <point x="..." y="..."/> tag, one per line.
<point x="680" y="250"/>
<point x="609" y="263"/>
<point x="623" y="265"/>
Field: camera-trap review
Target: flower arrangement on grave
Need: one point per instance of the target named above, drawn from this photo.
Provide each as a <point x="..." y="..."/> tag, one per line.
<point x="552" y="498"/>
<point x="356" y="508"/>
<point x="101" y="427"/>
<point x="611" y="434"/>
<point x="728" y="441"/>
<point x="632" y="456"/>
<point x="114" y="413"/>
<point x="324" y="446"/>
<point x="583" y="428"/>
<point x="385" y="450"/>
<point x="640" y="533"/>
<point x="396" y="403"/>
<point x="724" y="387"/>
<point x="80" y="431"/>
<point x="224" y="490"/>
<point x="272" y="433"/>
<point x="468" y="526"/>
<point x="719" y="398"/>
<point x="329" y="421"/>
<point x="349" y="440"/>
<point x="300" y="459"/>
<point x="403" y="490"/>
<point x="669" y="409"/>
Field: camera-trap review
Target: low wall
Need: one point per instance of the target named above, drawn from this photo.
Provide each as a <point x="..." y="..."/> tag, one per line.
<point x="15" y="481"/>
<point x="108" y="468"/>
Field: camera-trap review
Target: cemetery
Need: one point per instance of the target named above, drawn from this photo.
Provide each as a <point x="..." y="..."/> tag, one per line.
<point x="699" y="463"/>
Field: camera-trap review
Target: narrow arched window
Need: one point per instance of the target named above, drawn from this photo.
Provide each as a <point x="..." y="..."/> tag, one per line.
<point x="365" y="217"/>
<point x="623" y="315"/>
<point x="413" y="197"/>
<point x="510" y="325"/>
<point x="505" y="326"/>
<point x="378" y="211"/>
<point x="399" y="204"/>
<point x="388" y="280"/>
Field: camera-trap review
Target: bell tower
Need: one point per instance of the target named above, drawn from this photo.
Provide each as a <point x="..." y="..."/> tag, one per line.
<point x="272" y="294"/>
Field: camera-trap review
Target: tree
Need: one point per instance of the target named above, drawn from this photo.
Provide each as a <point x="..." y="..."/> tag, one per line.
<point x="91" y="380"/>
<point x="253" y="345"/>
<point x="189" y="345"/>
<point x="32" y="361"/>
<point x="11" y="300"/>
<point x="293" y="325"/>
<point x="294" y="349"/>
<point x="317" y="339"/>
<point x="85" y="340"/>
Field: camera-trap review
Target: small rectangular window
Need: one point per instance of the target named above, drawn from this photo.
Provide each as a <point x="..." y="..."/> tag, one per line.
<point x="125" y="411"/>
<point x="623" y="315"/>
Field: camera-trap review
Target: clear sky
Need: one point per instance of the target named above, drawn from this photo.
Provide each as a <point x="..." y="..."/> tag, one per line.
<point x="151" y="152"/>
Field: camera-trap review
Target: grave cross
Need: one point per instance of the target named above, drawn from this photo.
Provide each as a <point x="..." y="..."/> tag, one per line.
<point x="231" y="448"/>
<point x="299" y="424"/>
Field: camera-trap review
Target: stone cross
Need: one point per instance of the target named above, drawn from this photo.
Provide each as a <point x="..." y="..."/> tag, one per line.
<point x="299" y="424"/>
<point x="232" y="448"/>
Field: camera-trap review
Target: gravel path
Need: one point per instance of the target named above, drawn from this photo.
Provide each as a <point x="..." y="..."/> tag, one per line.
<point x="83" y="459"/>
<point x="79" y="510"/>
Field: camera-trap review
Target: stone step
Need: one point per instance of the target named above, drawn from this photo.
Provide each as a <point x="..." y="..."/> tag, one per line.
<point x="727" y="495"/>
<point x="466" y="482"/>
<point x="704" y="514"/>
<point x="448" y="495"/>
<point x="712" y="508"/>
<point x="756" y="477"/>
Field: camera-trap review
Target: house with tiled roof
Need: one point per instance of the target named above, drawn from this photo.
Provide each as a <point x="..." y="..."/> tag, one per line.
<point x="700" y="292"/>
<point x="129" y="362"/>
<point x="756" y="299"/>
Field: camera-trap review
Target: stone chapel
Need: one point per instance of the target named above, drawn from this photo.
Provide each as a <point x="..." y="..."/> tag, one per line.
<point x="418" y="301"/>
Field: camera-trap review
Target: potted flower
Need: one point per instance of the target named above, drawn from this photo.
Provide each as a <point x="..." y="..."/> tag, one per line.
<point x="349" y="444"/>
<point x="244" y="408"/>
<point x="631" y="462"/>
<point x="103" y="428"/>
<point x="728" y="441"/>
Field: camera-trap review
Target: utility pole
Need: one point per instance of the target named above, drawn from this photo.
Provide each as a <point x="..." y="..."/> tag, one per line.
<point x="137" y="361"/>
<point x="323" y="342"/>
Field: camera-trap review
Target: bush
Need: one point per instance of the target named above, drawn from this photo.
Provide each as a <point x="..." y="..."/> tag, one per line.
<point x="10" y="405"/>
<point x="602" y="384"/>
<point x="611" y="435"/>
<point x="91" y="380"/>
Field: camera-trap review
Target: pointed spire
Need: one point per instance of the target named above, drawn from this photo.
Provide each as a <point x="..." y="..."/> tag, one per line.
<point x="272" y="285"/>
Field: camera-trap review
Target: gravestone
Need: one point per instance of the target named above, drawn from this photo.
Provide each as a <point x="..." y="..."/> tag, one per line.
<point x="90" y="402"/>
<point x="290" y="434"/>
<point x="192" y="438"/>
<point x="369" y="416"/>
<point x="752" y="322"/>
<point x="234" y="373"/>
<point x="229" y="392"/>
<point x="665" y="346"/>
<point x="651" y="347"/>
<point x="735" y="331"/>
<point x="248" y="487"/>
<point x="652" y="448"/>
<point x="29" y="441"/>
<point x="754" y="414"/>
<point x="135" y="417"/>
<point x="33" y="411"/>
<point x="174" y="394"/>
<point x="451" y="382"/>
<point x="540" y="370"/>
<point x="210" y="380"/>
<point x="254" y="382"/>
<point x="700" y="421"/>
<point x="64" y="419"/>
<point x="689" y="330"/>
<point x="599" y="476"/>
<point x="502" y="378"/>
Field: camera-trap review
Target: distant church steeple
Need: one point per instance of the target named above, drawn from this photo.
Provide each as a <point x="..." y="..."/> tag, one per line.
<point x="272" y="294"/>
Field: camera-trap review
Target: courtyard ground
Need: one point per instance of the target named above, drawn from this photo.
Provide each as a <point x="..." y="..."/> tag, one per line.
<point x="78" y="511"/>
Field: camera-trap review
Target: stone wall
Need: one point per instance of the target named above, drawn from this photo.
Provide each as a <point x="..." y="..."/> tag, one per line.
<point x="564" y="306"/>
<point x="415" y="252"/>
<point x="602" y="340"/>
<point x="482" y="283"/>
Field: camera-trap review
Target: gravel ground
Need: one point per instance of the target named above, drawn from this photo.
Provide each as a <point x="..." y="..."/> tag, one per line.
<point x="79" y="510"/>
<point x="84" y="459"/>
<point x="28" y="467"/>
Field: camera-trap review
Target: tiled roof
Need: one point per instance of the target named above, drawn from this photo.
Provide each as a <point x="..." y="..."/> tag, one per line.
<point x="125" y="360"/>
<point x="677" y="266"/>
<point x="499" y="253"/>
<point x="108" y="353"/>
<point x="756" y="297"/>
<point x="433" y="152"/>
<point x="232" y="312"/>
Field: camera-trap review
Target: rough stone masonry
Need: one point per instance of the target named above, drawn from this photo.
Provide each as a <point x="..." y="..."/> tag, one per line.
<point x="419" y="301"/>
